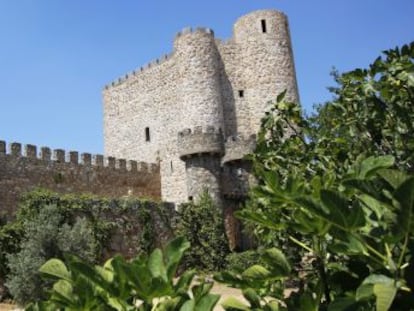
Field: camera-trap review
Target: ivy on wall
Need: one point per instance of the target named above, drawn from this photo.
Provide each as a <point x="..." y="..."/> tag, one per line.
<point x="129" y="226"/>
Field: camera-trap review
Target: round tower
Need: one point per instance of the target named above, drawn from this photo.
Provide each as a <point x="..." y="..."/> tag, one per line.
<point x="263" y="39"/>
<point x="200" y="139"/>
<point x="201" y="149"/>
<point x="198" y="64"/>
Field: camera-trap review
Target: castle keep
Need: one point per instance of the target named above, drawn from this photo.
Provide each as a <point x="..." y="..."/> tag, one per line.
<point x="196" y="110"/>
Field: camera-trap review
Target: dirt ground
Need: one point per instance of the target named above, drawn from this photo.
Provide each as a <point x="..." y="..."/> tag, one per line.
<point x="225" y="292"/>
<point x="7" y="307"/>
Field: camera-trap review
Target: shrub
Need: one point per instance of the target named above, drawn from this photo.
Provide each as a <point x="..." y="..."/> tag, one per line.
<point x="203" y="225"/>
<point x="10" y="236"/>
<point x="46" y="236"/>
<point x="241" y="261"/>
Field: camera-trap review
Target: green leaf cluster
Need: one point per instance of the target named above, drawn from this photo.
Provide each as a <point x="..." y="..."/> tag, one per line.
<point x="358" y="237"/>
<point x="144" y="283"/>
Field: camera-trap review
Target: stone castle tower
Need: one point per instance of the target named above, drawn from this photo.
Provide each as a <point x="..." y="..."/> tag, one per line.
<point x="197" y="110"/>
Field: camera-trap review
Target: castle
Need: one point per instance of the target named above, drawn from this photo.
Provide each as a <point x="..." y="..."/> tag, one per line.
<point x="184" y="122"/>
<point x="197" y="110"/>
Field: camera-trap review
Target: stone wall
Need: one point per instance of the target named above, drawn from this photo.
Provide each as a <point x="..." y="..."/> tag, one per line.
<point x="63" y="172"/>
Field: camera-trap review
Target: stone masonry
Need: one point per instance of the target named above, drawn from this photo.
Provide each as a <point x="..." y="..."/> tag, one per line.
<point x="196" y="111"/>
<point x="63" y="172"/>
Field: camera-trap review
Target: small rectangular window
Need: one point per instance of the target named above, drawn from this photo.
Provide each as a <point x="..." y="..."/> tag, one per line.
<point x="241" y="93"/>
<point x="147" y="134"/>
<point x="190" y="198"/>
<point x="264" y="29"/>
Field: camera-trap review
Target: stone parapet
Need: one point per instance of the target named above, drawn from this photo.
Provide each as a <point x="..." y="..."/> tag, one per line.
<point x="26" y="167"/>
<point x="237" y="147"/>
<point x="46" y="154"/>
<point x="190" y="30"/>
<point x="200" y="141"/>
<point x="142" y="69"/>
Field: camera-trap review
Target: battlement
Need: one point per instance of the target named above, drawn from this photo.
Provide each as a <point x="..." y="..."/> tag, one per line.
<point x="200" y="141"/>
<point x="140" y="70"/>
<point x="160" y="60"/>
<point x="190" y="30"/>
<point x="238" y="146"/>
<point x="15" y="150"/>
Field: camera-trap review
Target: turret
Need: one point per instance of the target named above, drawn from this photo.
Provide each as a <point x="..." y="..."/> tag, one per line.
<point x="201" y="149"/>
<point x="267" y="60"/>
<point x="198" y="65"/>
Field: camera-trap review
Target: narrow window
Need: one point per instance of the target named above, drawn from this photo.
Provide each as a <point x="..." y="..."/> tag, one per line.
<point x="264" y="30"/>
<point x="147" y="134"/>
<point x="241" y="93"/>
<point x="171" y="166"/>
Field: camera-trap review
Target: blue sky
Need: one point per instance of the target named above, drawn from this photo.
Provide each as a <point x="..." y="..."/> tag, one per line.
<point x="56" y="55"/>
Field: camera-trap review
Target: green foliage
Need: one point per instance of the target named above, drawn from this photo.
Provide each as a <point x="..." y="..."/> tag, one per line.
<point x="144" y="283"/>
<point x="203" y="225"/>
<point x="359" y="236"/>
<point x="371" y="115"/>
<point x="10" y="236"/>
<point x="241" y="261"/>
<point x="261" y="284"/>
<point x="335" y="188"/>
<point x="45" y="237"/>
<point x="76" y="224"/>
<point x="132" y="218"/>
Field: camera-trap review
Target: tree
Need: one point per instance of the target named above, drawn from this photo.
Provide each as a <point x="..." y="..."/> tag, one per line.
<point x="372" y="113"/>
<point x="338" y="187"/>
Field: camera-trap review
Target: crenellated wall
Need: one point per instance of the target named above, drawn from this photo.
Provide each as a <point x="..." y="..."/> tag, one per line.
<point x="23" y="169"/>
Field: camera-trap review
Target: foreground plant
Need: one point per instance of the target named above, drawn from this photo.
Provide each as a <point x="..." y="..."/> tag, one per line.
<point x="358" y="236"/>
<point x="145" y="283"/>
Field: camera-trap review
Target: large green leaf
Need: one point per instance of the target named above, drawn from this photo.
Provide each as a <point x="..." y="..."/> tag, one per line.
<point x="207" y="302"/>
<point x="383" y="287"/>
<point x="63" y="293"/>
<point x="370" y="166"/>
<point x="252" y="297"/>
<point x="277" y="262"/>
<point x="256" y="272"/>
<point x="174" y="251"/>
<point x="156" y="265"/>
<point x="393" y="177"/>
<point x="232" y="303"/>
<point x="57" y="268"/>
<point x="385" y="293"/>
<point x="189" y="305"/>
<point x="404" y="195"/>
<point x="340" y="212"/>
<point x="184" y="281"/>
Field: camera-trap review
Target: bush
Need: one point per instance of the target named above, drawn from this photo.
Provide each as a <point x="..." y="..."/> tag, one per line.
<point x="46" y="236"/>
<point x="88" y="224"/>
<point x="203" y="225"/>
<point x="242" y="261"/>
<point x="10" y="236"/>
